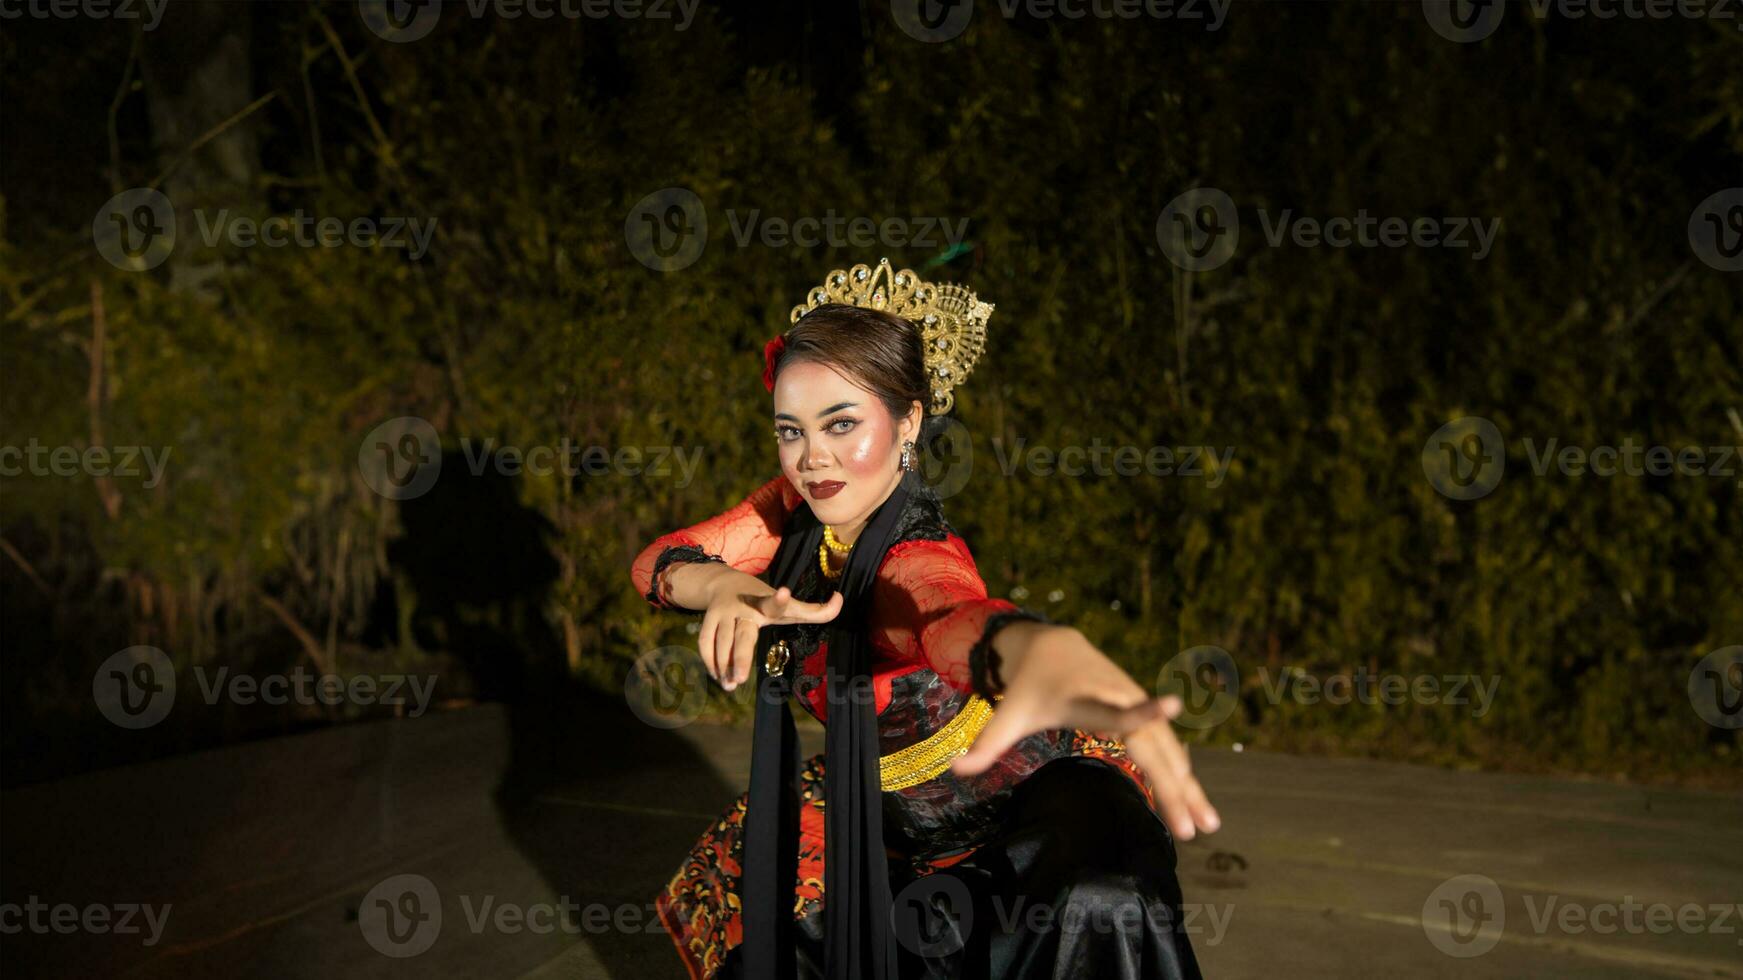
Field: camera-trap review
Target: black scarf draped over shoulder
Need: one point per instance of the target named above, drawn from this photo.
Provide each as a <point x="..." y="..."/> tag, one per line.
<point x="859" y="943"/>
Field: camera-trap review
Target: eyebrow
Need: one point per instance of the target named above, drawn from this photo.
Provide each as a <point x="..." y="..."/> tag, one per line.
<point x="833" y="408"/>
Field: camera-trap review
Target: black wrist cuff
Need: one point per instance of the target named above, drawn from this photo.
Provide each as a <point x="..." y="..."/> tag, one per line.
<point x="984" y="670"/>
<point x="673" y="555"/>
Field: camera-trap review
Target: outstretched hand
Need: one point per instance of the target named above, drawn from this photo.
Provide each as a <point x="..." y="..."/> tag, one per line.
<point x="1063" y="681"/>
<point x="728" y="639"/>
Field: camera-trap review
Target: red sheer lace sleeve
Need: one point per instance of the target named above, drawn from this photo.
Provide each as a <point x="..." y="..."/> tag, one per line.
<point x="744" y="537"/>
<point x="934" y="607"/>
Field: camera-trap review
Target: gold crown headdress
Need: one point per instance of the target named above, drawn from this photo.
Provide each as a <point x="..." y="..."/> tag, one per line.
<point x="952" y="320"/>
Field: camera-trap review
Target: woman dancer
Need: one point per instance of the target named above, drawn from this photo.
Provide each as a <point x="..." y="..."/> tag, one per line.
<point x="959" y="840"/>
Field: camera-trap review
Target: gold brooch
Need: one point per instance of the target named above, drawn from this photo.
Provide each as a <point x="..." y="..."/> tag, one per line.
<point x="775" y="661"/>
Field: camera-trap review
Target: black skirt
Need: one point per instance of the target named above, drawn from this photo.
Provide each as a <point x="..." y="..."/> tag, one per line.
<point x="1078" y="882"/>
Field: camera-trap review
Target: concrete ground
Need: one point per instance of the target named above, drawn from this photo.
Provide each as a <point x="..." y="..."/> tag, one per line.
<point x="283" y="858"/>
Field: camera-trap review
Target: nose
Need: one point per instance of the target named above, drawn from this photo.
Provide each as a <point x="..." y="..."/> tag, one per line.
<point x="816" y="455"/>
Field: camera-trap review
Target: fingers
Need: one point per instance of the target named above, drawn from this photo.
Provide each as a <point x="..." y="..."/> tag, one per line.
<point x="1164" y="786"/>
<point x="1009" y="724"/>
<point x="724" y="634"/>
<point x="792" y="610"/>
<point x="744" y="648"/>
<point x="705" y="643"/>
<point x="1098" y="716"/>
<point x="1180" y="800"/>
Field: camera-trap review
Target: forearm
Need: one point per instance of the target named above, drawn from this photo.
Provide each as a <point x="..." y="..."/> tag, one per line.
<point x="693" y="585"/>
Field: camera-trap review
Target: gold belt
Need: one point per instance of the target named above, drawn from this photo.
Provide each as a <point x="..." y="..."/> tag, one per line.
<point x="931" y="756"/>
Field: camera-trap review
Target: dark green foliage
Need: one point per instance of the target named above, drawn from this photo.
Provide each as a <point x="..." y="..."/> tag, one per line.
<point x="1323" y="547"/>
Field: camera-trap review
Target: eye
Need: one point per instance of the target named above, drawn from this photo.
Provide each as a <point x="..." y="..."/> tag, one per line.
<point x="850" y="423"/>
<point x="782" y="432"/>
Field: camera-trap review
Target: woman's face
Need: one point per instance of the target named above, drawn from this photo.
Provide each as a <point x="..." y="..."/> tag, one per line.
<point x="840" y="448"/>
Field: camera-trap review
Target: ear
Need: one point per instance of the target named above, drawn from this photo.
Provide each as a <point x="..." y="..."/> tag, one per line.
<point x="910" y="424"/>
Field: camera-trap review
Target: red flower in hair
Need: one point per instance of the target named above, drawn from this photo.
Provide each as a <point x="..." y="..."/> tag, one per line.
<point x="772" y="352"/>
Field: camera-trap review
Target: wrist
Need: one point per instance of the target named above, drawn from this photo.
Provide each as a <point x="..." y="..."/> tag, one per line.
<point x="1015" y="642"/>
<point x="728" y="581"/>
<point x="1011" y="631"/>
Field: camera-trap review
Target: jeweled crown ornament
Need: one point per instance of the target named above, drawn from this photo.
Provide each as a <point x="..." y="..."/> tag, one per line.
<point x="951" y="318"/>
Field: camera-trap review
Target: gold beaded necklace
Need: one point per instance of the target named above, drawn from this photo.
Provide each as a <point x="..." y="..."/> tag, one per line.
<point x="831" y="544"/>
